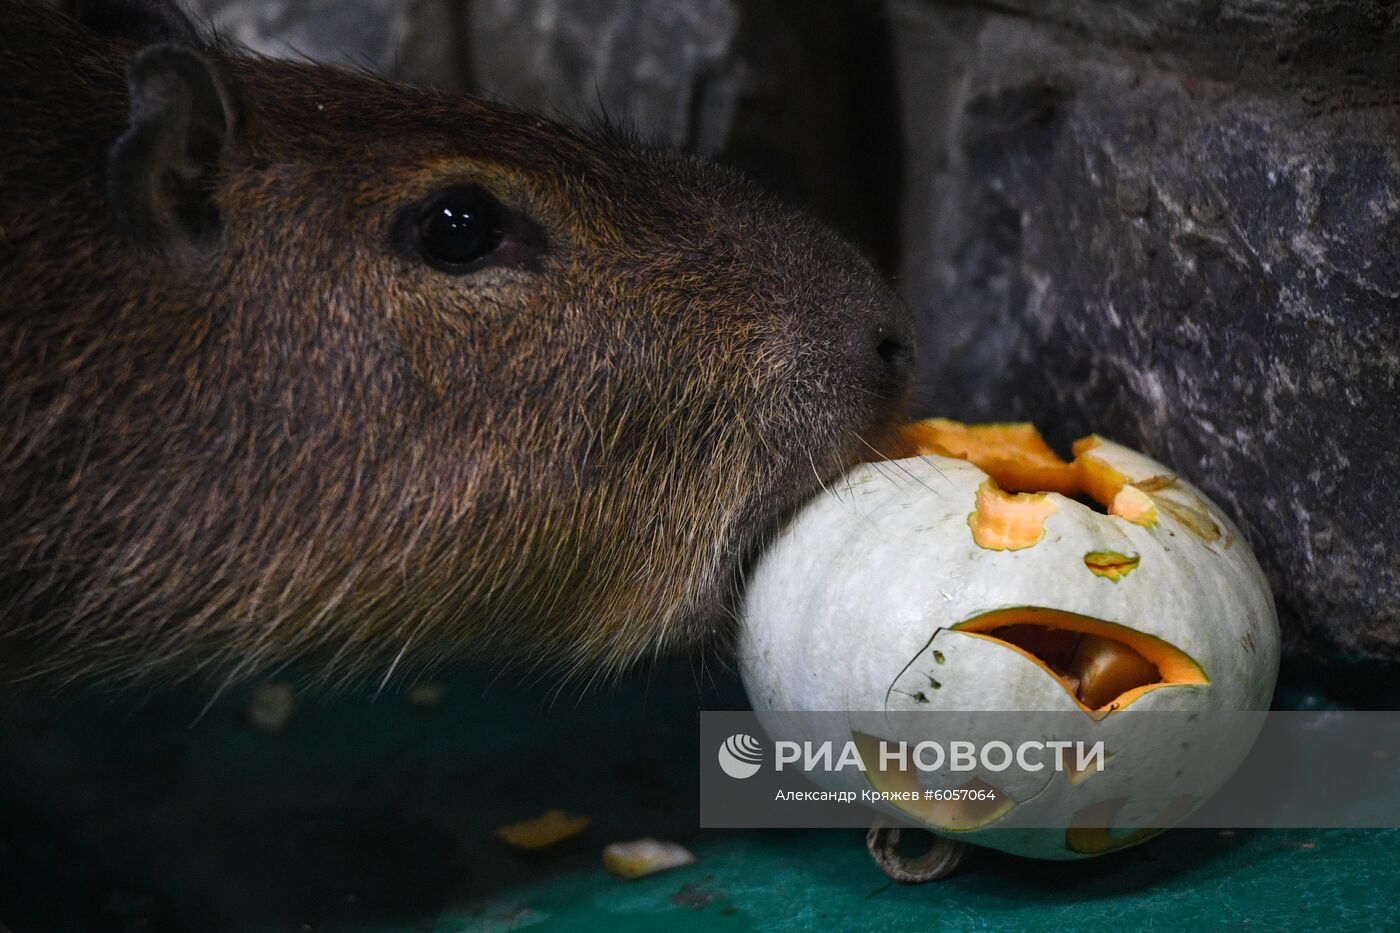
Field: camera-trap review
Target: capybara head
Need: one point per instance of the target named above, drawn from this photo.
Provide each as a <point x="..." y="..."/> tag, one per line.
<point x="298" y="361"/>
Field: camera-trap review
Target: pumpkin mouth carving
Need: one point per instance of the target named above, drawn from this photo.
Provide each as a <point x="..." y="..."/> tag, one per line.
<point x="1104" y="666"/>
<point x="984" y="806"/>
<point x="1087" y="838"/>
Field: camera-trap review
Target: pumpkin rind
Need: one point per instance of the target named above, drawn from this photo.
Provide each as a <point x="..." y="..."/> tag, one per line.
<point x="856" y="607"/>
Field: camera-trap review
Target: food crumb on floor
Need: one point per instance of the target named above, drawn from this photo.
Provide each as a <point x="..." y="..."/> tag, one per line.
<point x="642" y="857"/>
<point x="540" y="832"/>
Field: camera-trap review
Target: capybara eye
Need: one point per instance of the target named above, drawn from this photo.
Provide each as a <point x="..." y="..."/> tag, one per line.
<point x="458" y="227"/>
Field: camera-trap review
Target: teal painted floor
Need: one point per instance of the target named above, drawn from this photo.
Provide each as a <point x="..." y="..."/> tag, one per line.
<point x="135" y="814"/>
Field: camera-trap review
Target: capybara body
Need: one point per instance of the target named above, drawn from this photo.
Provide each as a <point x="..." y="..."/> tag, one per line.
<point x="302" y="362"/>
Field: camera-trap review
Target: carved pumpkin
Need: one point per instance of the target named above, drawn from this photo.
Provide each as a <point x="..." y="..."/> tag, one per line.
<point x="980" y="571"/>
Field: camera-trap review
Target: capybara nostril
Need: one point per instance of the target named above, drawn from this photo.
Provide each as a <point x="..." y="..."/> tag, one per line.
<point x="898" y="360"/>
<point x="884" y="356"/>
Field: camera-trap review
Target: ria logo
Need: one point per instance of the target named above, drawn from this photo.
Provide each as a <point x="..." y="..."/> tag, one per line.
<point x="741" y="756"/>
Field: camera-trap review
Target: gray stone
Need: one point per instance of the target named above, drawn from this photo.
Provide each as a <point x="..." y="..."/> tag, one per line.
<point x="417" y="40"/>
<point x="1101" y="239"/>
<point x="663" y="68"/>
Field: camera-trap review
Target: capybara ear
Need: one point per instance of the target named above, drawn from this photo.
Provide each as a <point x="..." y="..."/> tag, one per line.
<point x="163" y="172"/>
<point x="143" y="21"/>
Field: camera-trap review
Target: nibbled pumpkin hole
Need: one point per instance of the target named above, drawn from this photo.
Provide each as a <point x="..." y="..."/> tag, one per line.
<point x="1005" y="521"/>
<point x="1103" y="665"/>
<point x="1015" y="455"/>
<point x="1018" y="460"/>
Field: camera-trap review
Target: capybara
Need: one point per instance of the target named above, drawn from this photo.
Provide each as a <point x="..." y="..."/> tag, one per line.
<point x="302" y="363"/>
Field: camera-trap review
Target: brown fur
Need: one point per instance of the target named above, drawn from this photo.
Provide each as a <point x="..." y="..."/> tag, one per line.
<point x="314" y="446"/>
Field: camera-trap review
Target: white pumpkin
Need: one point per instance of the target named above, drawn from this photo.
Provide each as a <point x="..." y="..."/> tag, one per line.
<point x="922" y="584"/>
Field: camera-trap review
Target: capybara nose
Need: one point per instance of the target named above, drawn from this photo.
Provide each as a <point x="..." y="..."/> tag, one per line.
<point x="885" y="355"/>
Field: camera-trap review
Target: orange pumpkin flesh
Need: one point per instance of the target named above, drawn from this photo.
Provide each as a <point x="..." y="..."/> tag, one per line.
<point x="1102" y="665"/>
<point x="1110" y="564"/>
<point x="1015" y="455"/>
<point x="1018" y="460"/>
<point x="1005" y="521"/>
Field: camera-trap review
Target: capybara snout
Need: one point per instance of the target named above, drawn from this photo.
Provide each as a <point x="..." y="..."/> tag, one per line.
<point x="304" y="362"/>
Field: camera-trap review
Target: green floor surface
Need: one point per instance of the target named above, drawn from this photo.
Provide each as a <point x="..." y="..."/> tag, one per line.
<point x="135" y="814"/>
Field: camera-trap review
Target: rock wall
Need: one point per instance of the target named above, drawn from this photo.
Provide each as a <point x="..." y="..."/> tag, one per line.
<point x="1180" y="228"/>
<point x="1175" y="223"/>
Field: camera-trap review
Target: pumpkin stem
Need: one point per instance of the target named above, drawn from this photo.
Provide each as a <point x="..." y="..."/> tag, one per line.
<point x="941" y="860"/>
